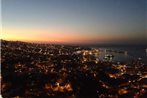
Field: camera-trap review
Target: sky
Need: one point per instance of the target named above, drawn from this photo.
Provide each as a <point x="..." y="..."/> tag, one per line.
<point x="75" y="21"/>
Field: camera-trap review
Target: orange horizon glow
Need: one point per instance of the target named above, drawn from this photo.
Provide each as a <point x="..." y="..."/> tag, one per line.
<point x="64" y="40"/>
<point x="47" y="36"/>
<point x="74" y="22"/>
<point x="58" y="36"/>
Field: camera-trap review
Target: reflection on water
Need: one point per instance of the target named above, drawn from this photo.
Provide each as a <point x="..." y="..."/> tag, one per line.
<point x="124" y="54"/>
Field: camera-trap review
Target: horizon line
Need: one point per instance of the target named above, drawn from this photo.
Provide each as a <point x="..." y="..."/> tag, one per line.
<point x="64" y="43"/>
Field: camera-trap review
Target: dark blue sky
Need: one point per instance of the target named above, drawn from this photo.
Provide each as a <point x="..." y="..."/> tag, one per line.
<point x="75" y="21"/>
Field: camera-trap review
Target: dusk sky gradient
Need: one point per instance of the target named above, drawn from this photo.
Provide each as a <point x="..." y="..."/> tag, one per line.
<point x="75" y="21"/>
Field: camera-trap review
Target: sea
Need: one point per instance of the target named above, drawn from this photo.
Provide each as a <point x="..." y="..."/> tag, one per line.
<point x="124" y="53"/>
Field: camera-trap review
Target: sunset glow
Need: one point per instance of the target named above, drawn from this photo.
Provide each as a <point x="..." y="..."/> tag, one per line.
<point x="74" y="22"/>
